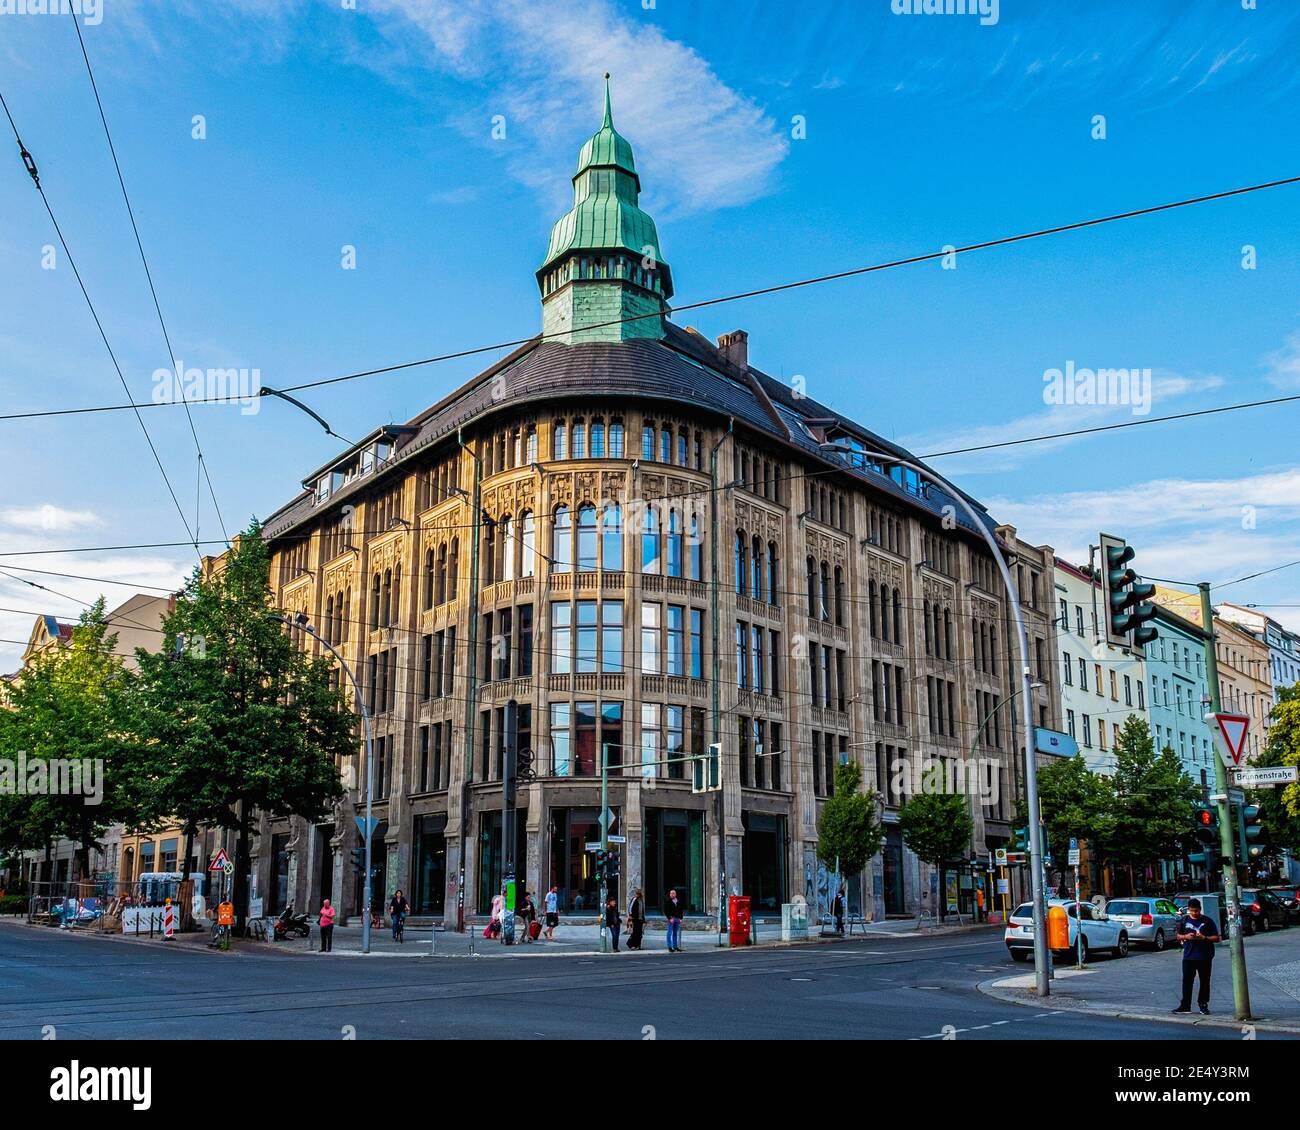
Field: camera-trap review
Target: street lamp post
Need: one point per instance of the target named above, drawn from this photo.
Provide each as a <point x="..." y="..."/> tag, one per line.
<point x="1041" y="969"/>
<point x="301" y="621"/>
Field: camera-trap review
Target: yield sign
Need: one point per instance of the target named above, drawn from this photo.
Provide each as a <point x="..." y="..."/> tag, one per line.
<point x="220" y="861"/>
<point x="1230" y="735"/>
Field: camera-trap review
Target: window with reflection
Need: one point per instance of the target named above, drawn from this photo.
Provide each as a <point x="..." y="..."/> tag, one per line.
<point x="586" y="538"/>
<point x="611" y="549"/>
<point x="562" y="540"/>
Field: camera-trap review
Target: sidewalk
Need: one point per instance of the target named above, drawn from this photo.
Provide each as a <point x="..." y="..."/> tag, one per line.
<point x="1145" y="986"/>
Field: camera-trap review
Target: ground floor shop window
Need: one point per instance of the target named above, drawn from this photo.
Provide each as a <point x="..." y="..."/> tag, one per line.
<point x="573" y="867"/>
<point x="764" y="861"/>
<point x="490" y="859"/>
<point x="674" y="857"/>
<point x="430" y="850"/>
<point x="892" y="856"/>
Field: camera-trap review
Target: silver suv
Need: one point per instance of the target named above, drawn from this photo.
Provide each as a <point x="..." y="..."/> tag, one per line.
<point x="1149" y="921"/>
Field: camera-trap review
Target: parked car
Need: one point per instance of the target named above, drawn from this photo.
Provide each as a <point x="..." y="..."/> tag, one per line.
<point x="1149" y="921"/>
<point x="1212" y="907"/>
<point x="1290" y="898"/>
<point x="1266" y="908"/>
<point x="1101" y="933"/>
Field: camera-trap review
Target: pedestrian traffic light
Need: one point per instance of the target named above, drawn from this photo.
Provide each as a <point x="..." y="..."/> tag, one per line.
<point x="1127" y="610"/>
<point x="359" y="860"/>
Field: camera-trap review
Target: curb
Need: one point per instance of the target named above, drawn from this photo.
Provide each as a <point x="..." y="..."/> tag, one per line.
<point x="1022" y="997"/>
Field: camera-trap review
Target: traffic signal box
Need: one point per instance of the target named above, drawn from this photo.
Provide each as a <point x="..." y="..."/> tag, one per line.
<point x="1127" y="599"/>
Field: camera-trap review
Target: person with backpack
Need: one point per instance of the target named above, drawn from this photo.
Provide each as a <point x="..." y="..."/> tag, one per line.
<point x="674" y="909"/>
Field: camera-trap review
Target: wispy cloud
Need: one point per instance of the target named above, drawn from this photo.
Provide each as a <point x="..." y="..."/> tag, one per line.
<point x="48" y="518"/>
<point x="541" y="66"/>
<point x="1284" y="364"/>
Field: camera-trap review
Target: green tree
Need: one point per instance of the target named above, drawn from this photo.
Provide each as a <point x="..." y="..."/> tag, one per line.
<point x="1280" y="807"/>
<point x="936" y="825"/>
<point x="71" y="705"/>
<point x="239" y="718"/>
<point x="848" y="833"/>
<point x="1152" y="803"/>
<point x="1073" y="801"/>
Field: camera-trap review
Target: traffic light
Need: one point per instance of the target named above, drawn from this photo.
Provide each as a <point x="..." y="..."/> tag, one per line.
<point x="602" y="864"/>
<point x="524" y="770"/>
<point x="1205" y="829"/>
<point x="1020" y="839"/>
<point x="706" y="770"/>
<point x="1252" y="830"/>
<point x="611" y="864"/>
<point x="359" y="860"/>
<point x="1127" y="610"/>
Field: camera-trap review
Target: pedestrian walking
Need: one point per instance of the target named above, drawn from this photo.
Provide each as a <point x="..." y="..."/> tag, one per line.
<point x="673" y="911"/>
<point x="326" y="927"/>
<point x="528" y="915"/>
<point x="837" y="909"/>
<point x="613" y="922"/>
<point x="636" y="916"/>
<point x="1198" y="934"/>
<point x="398" y="908"/>
<point x="552" y="912"/>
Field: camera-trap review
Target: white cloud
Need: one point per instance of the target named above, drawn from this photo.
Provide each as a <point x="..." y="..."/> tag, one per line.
<point x="1284" y="364"/>
<point x="704" y="144"/>
<point x="48" y="518"/>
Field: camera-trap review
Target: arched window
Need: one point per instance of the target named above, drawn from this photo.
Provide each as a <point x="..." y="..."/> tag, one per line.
<point x="385" y="616"/>
<point x="347" y="616"/>
<point x="489" y="552"/>
<point x="884" y="612"/>
<point x="586" y="538"/>
<point x="812" y="587"/>
<point x="453" y="569"/>
<point x="650" y="540"/>
<point x="839" y="595"/>
<point x="773" y="574"/>
<point x="947" y="632"/>
<point x="683" y="449"/>
<point x="562" y="540"/>
<point x="530" y="445"/>
<point x="598" y="439"/>
<point x="507" y="571"/>
<point x="929" y="637"/>
<point x="695" y="550"/>
<point x="898" y="617"/>
<point x="938" y="632"/>
<point x="871" y="607"/>
<point x="616" y="439"/>
<point x="648" y="443"/>
<point x="440" y="584"/>
<point x="611" y="538"/>
<point x="329" y="620"/>
<point x="395" y="609"/>
<point x="428" y="578"/>
<point x="756" y="568"/>
<point x="527" y="545"/>
<point x="741" y="551"/>
<point x="375" y="590"/>
<point x="674" y="544"/>
<point x="826" y="591"/>
<point x="559" y="441"/>
<point x="665" y="445"/>
<point x="579" y="439"/>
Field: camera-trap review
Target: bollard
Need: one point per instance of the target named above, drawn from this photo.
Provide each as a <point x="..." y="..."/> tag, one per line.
<point x="169" y="917"/>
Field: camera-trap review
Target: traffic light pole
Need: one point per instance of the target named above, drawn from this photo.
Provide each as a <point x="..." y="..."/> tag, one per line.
<point x="1227" y="846"/>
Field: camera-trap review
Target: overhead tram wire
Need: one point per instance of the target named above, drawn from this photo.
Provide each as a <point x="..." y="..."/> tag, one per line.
<point x="148" y="274"/>
<point x="30" y="164"/>
<point x="755" y="293"/>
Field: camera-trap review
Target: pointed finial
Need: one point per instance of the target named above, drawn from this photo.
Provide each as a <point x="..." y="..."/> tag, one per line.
<point x="609" y="113"/>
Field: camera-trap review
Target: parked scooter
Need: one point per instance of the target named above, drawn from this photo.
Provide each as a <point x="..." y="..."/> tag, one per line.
<point x="291" y="925"/>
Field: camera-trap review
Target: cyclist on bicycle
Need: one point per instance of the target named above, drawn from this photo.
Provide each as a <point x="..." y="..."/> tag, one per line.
<point x="398" y="908"/>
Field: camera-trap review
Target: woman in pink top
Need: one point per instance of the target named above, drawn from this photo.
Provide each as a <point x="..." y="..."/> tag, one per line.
<point x="326" y="927"/>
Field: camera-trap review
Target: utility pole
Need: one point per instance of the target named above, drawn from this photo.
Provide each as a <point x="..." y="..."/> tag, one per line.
<point x="509" y="848"/>
<point x="1227" y="847"/>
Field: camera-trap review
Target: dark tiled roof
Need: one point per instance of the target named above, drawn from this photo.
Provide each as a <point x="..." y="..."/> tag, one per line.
<point x="683" y="369"/>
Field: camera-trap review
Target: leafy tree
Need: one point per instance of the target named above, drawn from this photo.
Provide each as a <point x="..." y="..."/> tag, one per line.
<point x="1152" y="803"/>
<point x="1073" y="801"/>
<point x="1280" y="815"/>
<point x="239" y="718"/>
<point x="72" y="705"/>
<point x="937" y="826"/>
<point x="848" y="833"/>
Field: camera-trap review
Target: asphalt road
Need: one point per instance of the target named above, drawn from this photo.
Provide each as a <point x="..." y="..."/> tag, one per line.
<point x="863" y="989"/>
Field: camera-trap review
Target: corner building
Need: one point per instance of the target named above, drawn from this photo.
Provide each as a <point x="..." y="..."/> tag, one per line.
<point x="673" y="548"/>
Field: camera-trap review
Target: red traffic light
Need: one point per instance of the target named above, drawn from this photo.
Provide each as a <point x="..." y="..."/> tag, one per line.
<point x="1205" y="818"/>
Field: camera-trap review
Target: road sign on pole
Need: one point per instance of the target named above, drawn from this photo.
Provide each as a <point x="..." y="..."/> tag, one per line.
<point x="1263" y="777"/>
<point x="219" y="861"/>
<point x="1073" y="860"/>
<point x="1229" y="735"/>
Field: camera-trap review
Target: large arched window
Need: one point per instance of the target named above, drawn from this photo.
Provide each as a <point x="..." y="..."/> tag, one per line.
<point x="898" y="617"/>
<point x="773" y="574"/>
<point x="507" y="571"/>
<point x="587" y="538"/>
<point x="329" y="620"/>
<point x="826" y="591"/>
<point x="395" y="609"/>
<point x="695" y="550"/>
<point x="884" y="612"/>
<point x="812" y="587"/>
<point x="562" y="540"/>
<point x="650" y="548"/>
<point x="453" y="569"/>
<point x="756" y="568"/>
<point x="611" y="538"/>
<point x="740" y="552"/>
<point x="527" y="545"/>
<point x="375" y="590"/>
<point x="428" y="578"/>
<point x="440" y="583"/>
<point x="385" y="616"/>
<point x="839" y="595"/>
<point x="674" y="543"/>
<point x="489" y="552"/>
<point x="347" y="616"/>
<point x="871" y="607"/>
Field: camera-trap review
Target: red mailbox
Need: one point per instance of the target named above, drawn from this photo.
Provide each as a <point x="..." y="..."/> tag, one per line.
<point x="738" y="919"/>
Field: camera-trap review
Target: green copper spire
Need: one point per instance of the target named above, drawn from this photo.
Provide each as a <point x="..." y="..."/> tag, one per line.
<point x="603" y="262"/>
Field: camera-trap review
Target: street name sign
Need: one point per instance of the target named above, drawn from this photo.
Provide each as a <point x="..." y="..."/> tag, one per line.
<point x="1264" y="776"/>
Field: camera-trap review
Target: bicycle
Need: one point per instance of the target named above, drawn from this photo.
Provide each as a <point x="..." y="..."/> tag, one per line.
<point x="399" y="928"/>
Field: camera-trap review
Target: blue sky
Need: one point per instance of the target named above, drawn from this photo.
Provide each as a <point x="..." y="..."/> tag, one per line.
<point x="373" y="127"/>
